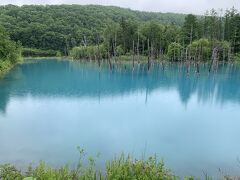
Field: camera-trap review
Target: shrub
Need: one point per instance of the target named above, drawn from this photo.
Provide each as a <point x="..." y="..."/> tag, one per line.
<point x="89" y="52"/>
<point x="174" y="51"/>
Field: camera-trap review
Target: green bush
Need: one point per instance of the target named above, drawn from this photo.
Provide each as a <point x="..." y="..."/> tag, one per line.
<point x="201" y="49"/>
<point x="9" y="172"/>
<point x="128" y="168"/>
<point x="174" y="51"/>
<point x="89" y="52"/>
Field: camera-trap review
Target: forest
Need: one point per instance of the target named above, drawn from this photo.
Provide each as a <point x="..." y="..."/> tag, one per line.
<point x="95" y="32"/>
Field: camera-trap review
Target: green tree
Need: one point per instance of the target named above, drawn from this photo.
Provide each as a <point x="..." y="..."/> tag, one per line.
<point x="200" y="49"/>
<point x="153" y="32"/>
<point x="10" y="52"/>
<point x="190" y="29"/>
<point x="174" y="51"/>
<point x="128" y="34"/>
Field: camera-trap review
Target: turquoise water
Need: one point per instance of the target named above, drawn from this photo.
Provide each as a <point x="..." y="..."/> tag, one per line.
<point x="49" y="107"/>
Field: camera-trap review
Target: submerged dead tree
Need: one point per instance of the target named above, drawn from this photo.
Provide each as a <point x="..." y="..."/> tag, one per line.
<point x="143" y="48"/>
<point x="109" y="59"/>
<point x="138" y="43"/>
<point x="199" y="59"/>
<point x="115" y="46"/>
<point x="133" y="58"/>
<point x="215" y="53"/>
<point x="149" y="64"/>
<point x="98" y="52"/>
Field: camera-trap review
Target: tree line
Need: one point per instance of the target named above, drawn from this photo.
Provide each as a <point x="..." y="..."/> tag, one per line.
<point x="212" y="36"/>
<point x="62" y="27"/>
<point x="99" y="32"/>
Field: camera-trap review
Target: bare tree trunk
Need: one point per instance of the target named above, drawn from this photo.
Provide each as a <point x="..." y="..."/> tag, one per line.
<point x="84" y="41"/>
<point x="133" y="55"/>
<point x="115" y="46"/>
<point x="138" y="47"/>
<point x="191" y="35"/>
<point x="159" y="53"/>
<point x="198" y="68"/>
<point x="224" y="55"/>
<point x="199" y="58"/>
<point x="143" y="47"/>
<point x="229" y="54"/>
<point x="186" y="55"/>
<point x="98" y="53"/>
<point x="174" y="56"/>
<point x="188" y="67"/>
<point x="195" y="55"/>
<point x="109" y="60"/>
<point x="151" y="51"/>
<point x="148" y="55"/>
<point x="214" y="59"/>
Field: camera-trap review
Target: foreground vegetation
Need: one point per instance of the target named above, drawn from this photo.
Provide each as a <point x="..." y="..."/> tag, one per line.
<point x="10" y="52"/>
<point x="124" y="167"/>
<point x="121" y="168"/>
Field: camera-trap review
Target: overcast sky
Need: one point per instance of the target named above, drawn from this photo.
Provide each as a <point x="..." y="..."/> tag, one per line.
<point x="179" y="6"/>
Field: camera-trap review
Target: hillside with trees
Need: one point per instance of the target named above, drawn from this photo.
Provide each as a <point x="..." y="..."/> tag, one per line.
<point x="96" y="32"/>
<point x="61" y="27"/>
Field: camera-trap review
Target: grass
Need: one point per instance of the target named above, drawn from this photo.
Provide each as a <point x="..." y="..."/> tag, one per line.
<point x="120" y="168"/>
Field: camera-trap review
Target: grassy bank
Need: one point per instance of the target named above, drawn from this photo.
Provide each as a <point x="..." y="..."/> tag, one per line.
<point x="120" y="168"/>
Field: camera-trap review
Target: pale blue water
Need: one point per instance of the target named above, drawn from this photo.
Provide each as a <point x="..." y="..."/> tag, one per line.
<point x="49" y="107"/>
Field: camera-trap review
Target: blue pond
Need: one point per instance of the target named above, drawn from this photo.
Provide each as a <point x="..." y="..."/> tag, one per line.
<point x="192" y="122"/>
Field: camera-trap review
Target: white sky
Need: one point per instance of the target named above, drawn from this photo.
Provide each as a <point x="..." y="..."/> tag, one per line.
<point x="178" y="6"/>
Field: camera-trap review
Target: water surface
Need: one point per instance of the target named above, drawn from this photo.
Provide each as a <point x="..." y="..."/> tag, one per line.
<point x="49" y="107"/>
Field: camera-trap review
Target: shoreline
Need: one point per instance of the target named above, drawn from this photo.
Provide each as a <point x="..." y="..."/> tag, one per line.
<point x="8" y="66"/>
<point x="4" y="71"/>
<point x="123" y="60"/>
<point x="119" y="167"/>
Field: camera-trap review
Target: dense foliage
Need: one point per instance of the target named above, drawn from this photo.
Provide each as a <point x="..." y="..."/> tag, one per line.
<point x="194" y="40"/>
<point x="61" y="27"/>
<point x="95" y="32"/>
<point x="10" y="52"/>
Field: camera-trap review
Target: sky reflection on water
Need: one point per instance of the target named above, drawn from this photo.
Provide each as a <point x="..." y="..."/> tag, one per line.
<point x="48" y="108"/>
